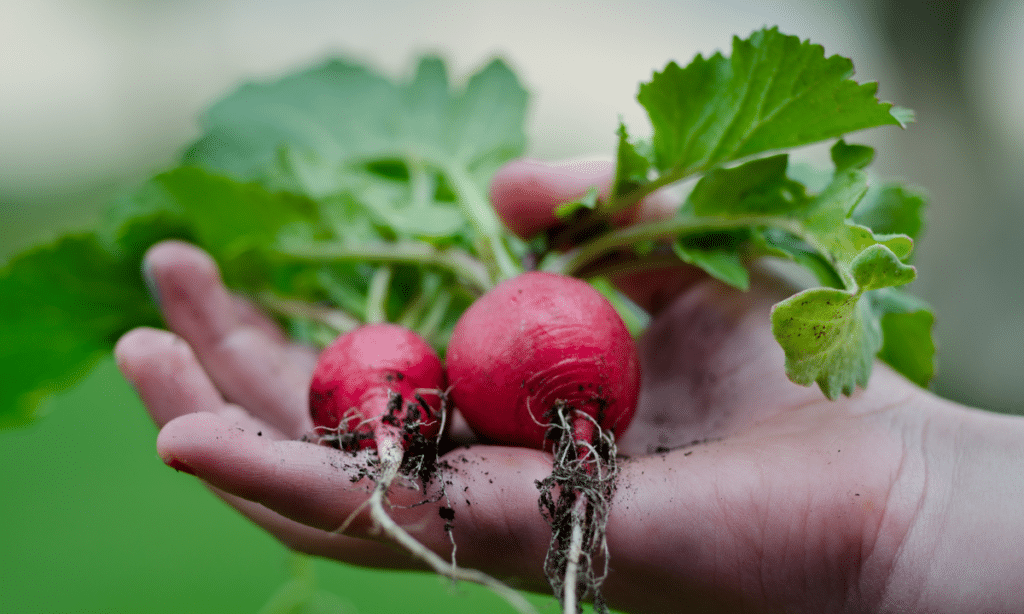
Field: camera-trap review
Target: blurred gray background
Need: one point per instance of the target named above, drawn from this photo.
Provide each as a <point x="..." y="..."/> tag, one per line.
<point x="96" y="94"/>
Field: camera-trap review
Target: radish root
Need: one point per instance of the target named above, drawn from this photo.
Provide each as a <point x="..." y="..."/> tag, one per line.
<point x="572" y="563"/>
<point x="390" y="462"/>
<point x="575" y="500"/>
<point x="391" y="458"/>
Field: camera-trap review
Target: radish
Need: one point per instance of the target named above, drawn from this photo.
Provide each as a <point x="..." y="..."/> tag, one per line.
<point x="543" y="360"/>
<point x="381" y="386"/>
<point x="371" y="388"/>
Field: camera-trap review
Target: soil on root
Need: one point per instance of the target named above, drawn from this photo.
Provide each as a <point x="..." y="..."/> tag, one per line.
<point x="575" y="501"/>
<point x="421" y="452"/>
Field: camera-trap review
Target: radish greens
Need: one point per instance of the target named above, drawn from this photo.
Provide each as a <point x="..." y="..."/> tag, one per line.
<point x="335" y="193"/>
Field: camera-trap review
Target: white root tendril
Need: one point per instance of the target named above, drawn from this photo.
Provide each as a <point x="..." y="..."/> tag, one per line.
<point x="572" y="563"/>
<point x="391" y="456"/>
<point x="575" y="500"/>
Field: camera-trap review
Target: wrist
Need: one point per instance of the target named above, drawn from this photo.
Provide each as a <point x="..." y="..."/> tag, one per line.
<point x="962" y="551"/>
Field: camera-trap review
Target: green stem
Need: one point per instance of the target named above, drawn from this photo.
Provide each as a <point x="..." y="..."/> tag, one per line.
<point x="574" y="261"/>
<point x="421" y="184"/>
<point x="430" y="324"/>
<point x="376" y="300"/>
<point x="624" y="201"/>
<point x="336" y="319"/>
<point x="485" y="221"/>
<point x="457" y="261"/>
<point x="414" y="311"/>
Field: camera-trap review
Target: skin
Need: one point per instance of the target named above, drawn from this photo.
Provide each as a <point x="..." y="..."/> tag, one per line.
<point x="893" y="500"/>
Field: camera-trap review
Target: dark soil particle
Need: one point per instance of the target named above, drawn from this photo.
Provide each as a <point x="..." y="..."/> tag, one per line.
<point x="420" y="460"/>
<point x="695" y="442"/>
<point x="394" y="406"/>
<point x="446" y="512"/>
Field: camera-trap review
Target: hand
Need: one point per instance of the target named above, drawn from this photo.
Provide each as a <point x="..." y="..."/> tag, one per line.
<point x="742" y="492"/>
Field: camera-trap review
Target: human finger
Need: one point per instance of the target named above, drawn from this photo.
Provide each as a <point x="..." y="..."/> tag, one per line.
<point x="251" y="362"/>
<point x="171" y="382"/>
<point x="489" y="497"/>
<point x="526" y="192"/>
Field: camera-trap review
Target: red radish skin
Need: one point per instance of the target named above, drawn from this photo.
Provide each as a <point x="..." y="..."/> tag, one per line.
<point x="381" y="386"/>
<point x="371" y="383"/>
<point x="535" y="339"/>
<point x="543" y="360"/>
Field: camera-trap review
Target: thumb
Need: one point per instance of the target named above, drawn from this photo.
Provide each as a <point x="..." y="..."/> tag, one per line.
<point x="526" y="192"/>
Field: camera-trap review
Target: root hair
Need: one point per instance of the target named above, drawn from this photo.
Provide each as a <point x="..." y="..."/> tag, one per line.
<point x="575" y="500"/>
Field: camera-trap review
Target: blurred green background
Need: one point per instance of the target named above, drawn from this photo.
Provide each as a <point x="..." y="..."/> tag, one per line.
<point x="97" y="94"/>
<point x="93" y="522"/>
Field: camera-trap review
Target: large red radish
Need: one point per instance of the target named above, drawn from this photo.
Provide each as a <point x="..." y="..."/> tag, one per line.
<point x="545" y="361"/>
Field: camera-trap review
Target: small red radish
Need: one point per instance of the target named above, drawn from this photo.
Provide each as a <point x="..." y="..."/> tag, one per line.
<point x="545" y="361"/>
<point x="378" y="386"/>
<point x="381" y="386"/>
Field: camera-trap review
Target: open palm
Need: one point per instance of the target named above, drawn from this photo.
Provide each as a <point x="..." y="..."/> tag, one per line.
<point x="741" y="491"/>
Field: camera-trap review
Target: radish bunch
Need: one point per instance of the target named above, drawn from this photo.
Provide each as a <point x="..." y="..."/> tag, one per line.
<point x="542" y="360"/>
<point x="545" y="361"/>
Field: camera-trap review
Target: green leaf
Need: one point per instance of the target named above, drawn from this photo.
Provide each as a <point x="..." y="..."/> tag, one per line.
<point x="879" y="267"/>
<point x="486" y="119"/>
<point x="829" y="337"/>
<point x="329" y="113"/>
<point x="892" y="209"/>
<point x="408" y="207"/>
<point x="717" y="254"/>
<point x="62" y="307"/>
<point x="826" y="219"/>
<point x="236" y="222"/>
<point x="774" y="92"/>
<point x="846" y="156"/>
<point x="409" y="151"/>
<point x="903" y="115"/>
<point x="228" y="217"/>
<point x="759" y="187"/>
<point x="631" y="166"/>
<point x="588" y="202"/>
<point x="907" y="329"/>
<point x="781" y="244"/>
<point x="349" y="219"/>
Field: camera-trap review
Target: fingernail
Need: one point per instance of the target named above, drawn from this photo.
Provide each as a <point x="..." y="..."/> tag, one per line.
<point x="177" y="465"/>
<point x="150" y="279"/>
